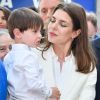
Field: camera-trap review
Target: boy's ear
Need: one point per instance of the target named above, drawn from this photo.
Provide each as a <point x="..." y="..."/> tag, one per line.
<point x="17" y="33"/>
<point x="76" y="33"/>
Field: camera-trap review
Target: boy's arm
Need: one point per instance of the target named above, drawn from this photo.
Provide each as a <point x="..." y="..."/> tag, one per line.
<point x="33" y="75"/>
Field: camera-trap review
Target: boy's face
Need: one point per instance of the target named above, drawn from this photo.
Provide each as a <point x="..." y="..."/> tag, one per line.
<point x="31" y="37"/>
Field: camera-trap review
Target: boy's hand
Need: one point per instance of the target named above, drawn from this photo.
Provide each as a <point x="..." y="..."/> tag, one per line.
<point x="55" y="93"/>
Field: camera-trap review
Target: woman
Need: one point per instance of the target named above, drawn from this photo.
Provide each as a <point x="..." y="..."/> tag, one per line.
<point x="67" y="58"/>
<point x="4" y="14"/>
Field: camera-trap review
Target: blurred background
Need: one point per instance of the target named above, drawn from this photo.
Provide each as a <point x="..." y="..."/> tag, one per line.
<point x="89" y="5"/>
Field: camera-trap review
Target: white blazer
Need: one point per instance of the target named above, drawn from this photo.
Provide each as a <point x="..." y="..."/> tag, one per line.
<point x="72" y="84"/>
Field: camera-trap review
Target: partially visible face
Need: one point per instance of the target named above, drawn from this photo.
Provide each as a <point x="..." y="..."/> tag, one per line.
<point x="91" y="29"/>
<point x="46" y="7"/>
<point x="5" y="45"/>
<point x="32" y="37"/>
<point x="60" y="28"/>
<point x="3" y="22"/>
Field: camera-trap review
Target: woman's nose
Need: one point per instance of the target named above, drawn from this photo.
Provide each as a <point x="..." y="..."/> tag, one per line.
<point x="54" y="25"/>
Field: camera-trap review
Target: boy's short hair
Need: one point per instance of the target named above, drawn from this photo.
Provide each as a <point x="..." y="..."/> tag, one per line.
<point x="23" y="19"/>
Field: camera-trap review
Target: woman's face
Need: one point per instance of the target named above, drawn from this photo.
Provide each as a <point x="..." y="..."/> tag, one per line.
<point x="60" y="28"/>
<point x="3" y="22"/>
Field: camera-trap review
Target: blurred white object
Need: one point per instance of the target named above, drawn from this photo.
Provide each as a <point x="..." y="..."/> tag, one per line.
<point x="36" y="2"/>
<point x="68" y="1"/>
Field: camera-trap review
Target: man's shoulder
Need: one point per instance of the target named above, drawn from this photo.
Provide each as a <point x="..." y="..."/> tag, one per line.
<point x="96" y="41"/>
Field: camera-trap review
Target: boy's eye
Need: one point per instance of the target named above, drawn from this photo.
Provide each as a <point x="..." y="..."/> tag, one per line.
<point x="34" y="31"/>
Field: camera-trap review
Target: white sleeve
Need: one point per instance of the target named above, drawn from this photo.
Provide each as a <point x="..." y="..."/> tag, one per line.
<point x="88" y="92"/>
